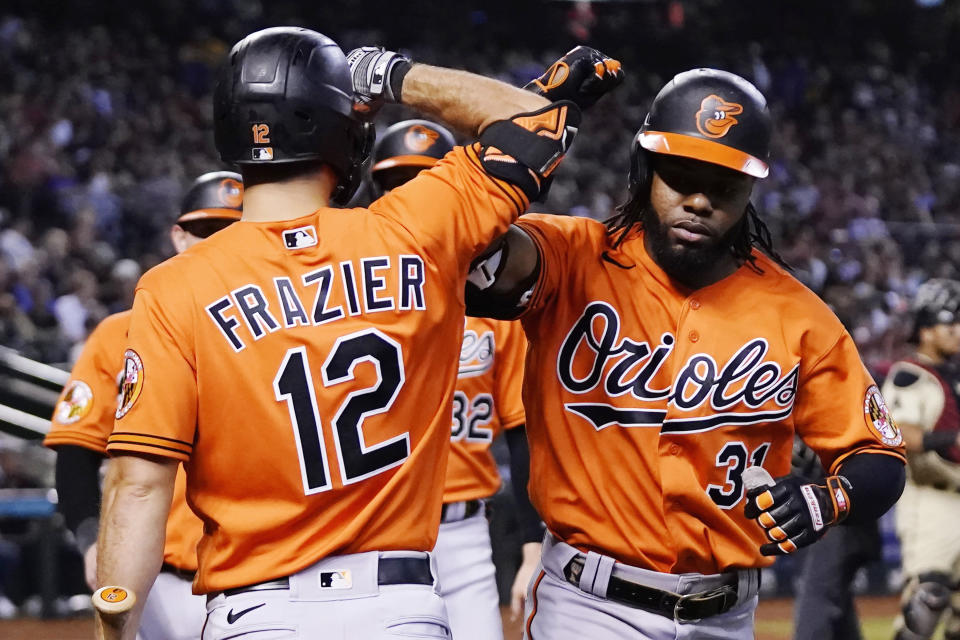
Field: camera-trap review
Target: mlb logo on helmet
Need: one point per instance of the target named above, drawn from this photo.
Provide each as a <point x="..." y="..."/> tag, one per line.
<point x="300" y="237"/>
<point x="262" y="153"/>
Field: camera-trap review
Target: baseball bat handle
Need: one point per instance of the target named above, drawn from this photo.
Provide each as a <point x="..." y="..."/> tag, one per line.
<point x="113" y="601"/>
<point x="756" y="477"/>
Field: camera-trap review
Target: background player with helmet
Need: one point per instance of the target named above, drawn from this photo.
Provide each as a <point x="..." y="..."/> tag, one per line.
<point x="922" y="393"/>
<point x="83" y="420"/>
<point x="302" y="362"/>
<point x="486" y="402"/>
<point x="670" y="351"/>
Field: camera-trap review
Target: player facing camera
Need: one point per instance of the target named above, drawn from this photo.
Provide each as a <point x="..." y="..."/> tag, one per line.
<point x="677" y="316"/>
<point x="693" y="164"/>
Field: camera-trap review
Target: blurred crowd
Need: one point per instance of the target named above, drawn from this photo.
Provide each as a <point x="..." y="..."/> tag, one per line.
<point x="105" y="118"/>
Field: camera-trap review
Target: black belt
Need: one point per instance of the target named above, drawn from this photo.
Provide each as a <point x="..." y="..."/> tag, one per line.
<point x="694" y="606"/>
<point x="389" y="571"/>
<point x="183" y="574"/>
<point x="471" y="508"/>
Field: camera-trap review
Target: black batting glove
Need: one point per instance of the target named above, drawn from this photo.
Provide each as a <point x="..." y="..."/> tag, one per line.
<point x="377" y="77"/>
<point x="583" y="75"/>
<point x="795" y="513"/>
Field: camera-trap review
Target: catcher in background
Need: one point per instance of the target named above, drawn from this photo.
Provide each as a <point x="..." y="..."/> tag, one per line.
<point x="922" y="393"/>
<point x="670" y="354"/>
<point x="83" y="420"/>
<point x="486" y="402"/>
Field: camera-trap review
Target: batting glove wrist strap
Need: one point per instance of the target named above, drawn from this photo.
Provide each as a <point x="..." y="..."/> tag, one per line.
<point x="794" y="513"/>
<point x="377" y="76"/>
<point x="583" y="75"/>
<point x="525" y="149"/>
<point x="838" y="486"/>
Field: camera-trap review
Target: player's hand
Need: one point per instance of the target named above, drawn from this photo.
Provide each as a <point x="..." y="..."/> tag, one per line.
<point x="518" y="592"/>
<point x="795" y="513"/>
<point x="90" y="566"/>
<point x="377" y="77"/>
<point x="583" y="75"/>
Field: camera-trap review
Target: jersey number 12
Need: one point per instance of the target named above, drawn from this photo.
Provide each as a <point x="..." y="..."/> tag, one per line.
<point x="358" y="460"/>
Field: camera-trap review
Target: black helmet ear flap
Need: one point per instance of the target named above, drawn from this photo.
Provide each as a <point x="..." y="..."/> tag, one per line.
<point x="641" y="169"/>
<point x="351" y="180"/>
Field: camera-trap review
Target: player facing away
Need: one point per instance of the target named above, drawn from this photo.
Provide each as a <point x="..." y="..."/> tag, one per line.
<point x="669" y="351"/>
<point x="922" y="392"/>
<point x="83" y="420"/>
<point x="301" y="362"/>
<point x="486" y="403"/>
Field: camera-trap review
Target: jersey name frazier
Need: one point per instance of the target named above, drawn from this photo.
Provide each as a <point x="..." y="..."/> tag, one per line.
<point x="624" y="366"/>
<point x="370" y="285"/>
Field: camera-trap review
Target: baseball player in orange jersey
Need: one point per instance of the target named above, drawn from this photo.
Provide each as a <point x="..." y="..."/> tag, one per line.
<point x="923" y="396"/>
<point x="301" y="362"/>
<point x="486" y="402"/>
<point x="83" y="420"/>
<point x="670" y="351"/>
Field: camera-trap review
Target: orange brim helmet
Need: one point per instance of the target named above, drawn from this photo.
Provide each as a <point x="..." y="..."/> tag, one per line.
<point x="709" y="115"/>
<point x="217" y="195"/>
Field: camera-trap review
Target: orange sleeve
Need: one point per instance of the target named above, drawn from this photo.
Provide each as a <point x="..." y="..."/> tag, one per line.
<point x="508" y="380"/>
<point x="157" y="411"/>
<point x="84" y="413"/>
<point x="455" y="209"/>
<point x="839" y="409"/>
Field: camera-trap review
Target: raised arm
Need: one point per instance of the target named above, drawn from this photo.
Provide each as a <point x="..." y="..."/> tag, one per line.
<point x="466" y="101"/>
<point x="501" y="280"/>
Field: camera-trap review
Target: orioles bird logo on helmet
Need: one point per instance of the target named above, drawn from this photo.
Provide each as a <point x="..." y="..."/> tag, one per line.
<point x="715" y="117"/>
<point x="231" y="193"/>
<point x="419" y="138"/>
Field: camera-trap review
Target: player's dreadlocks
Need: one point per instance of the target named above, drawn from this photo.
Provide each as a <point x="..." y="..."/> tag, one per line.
<point x="753" y="231"/>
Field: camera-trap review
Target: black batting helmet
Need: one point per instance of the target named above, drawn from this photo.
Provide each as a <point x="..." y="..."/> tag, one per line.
<point x="937" y="302"/>
<point x="285" y="95"/>
<point x="709" y="115"/>
<point x="405" y="149"/>
<point x="214" y="195"/>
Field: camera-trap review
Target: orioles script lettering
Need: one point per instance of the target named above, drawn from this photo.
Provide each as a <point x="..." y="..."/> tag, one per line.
<point x="747" y="389"/>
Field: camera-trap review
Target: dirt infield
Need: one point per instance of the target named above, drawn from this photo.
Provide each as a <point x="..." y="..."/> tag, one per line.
<point x="774" y="622"/>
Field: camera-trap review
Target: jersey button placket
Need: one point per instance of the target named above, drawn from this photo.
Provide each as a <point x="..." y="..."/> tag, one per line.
<point x="694" y="304"/>
<point x="694" y="336"/>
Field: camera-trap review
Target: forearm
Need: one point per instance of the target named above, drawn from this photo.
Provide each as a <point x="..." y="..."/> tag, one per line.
<point x="531" y="526"/>
<point x="876" y="482"/>
<point x="912" y="437"/>
<point x="464" y="100"/>
<point x="78" y="491"/>
<point x="133" y="524"/>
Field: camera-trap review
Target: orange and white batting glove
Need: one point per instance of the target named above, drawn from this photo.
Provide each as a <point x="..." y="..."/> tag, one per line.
<point x="583" y="75"/>
<point x="795" y="513"/>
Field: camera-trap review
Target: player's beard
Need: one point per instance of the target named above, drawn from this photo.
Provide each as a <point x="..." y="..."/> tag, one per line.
<point x="687" y="263"/>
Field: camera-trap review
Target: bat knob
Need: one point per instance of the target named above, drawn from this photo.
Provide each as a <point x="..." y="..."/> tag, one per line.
<point x="756" y="477"/>
<point x="113" y="600"/>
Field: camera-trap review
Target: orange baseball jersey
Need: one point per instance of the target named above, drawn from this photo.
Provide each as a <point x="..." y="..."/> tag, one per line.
<point x="647" y="401"/>
<point x="486" y="401"/>
<point x="303" y="370"/>
<point x="84" y="418"/>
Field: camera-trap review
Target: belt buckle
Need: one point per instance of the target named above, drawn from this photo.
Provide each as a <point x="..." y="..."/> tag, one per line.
<point x="724" y="592"/>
